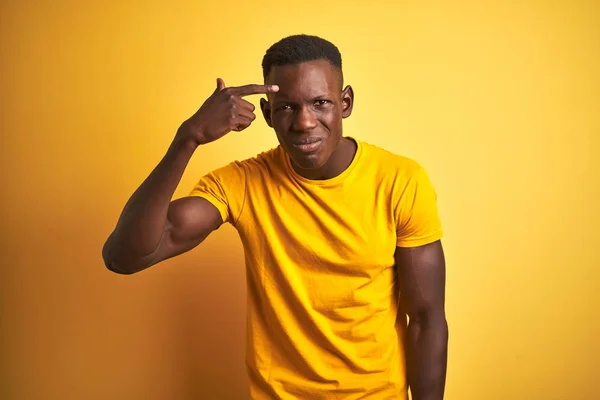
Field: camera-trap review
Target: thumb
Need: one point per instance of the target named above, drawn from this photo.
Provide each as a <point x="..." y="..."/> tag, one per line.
<point x="220" y="84"/>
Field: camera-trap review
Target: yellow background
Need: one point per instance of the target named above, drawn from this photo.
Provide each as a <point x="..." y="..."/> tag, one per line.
<point x="498" y="100"/>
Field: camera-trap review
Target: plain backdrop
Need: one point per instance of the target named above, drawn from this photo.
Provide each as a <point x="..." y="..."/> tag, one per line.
<point x="499" y="100"/>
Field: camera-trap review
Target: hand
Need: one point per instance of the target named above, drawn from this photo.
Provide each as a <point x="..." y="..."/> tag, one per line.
<point x="224" y="111"/>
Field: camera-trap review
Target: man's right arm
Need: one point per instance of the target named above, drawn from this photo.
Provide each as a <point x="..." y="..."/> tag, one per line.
<point x="152" y="228"/>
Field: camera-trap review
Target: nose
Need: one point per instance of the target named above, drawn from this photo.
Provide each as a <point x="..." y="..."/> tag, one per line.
<point x="304" y="120"/>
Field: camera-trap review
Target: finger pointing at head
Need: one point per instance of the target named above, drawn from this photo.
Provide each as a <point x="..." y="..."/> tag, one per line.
<point x="247" y="90"/>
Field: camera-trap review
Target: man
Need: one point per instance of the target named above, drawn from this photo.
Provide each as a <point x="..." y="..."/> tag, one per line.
<point x="340" y="237"/>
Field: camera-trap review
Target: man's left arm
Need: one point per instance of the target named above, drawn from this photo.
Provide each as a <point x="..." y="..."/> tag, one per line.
<point x="421" y="278"/>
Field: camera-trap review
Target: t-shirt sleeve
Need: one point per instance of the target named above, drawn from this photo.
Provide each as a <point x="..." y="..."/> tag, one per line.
<point x="224" y="188"/>
<point x="417" y="216"/>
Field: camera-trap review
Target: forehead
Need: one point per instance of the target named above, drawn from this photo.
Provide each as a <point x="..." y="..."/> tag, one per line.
<point x="305" y="79"/>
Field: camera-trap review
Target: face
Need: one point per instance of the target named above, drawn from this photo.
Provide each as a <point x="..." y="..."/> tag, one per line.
<point x="307" y="111"/>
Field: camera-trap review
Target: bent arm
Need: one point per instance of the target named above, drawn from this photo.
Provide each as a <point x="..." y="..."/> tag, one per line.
<point x="151" y="227"/>
<point x="421" y="274"/>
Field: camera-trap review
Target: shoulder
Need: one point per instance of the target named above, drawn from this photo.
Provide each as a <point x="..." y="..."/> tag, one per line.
<point x="258" y="164"/>
<point x="265" y="159"/>
<point x="401" y="177"/>
<point x="389" y="164"/>
<point x="227" y="185"/>
<point x="267" y="163"/>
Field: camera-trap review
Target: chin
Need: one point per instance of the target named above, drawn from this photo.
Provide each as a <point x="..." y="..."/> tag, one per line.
<point x="308" y="164"/>
<point x="311" y="161"/>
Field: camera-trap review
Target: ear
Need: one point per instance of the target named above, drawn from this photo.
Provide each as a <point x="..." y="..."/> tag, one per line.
<point x="347" y="101"/>
<point x="266" y="111"/>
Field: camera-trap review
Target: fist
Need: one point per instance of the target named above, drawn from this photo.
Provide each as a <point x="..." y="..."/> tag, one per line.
<point x="224" y="111"/>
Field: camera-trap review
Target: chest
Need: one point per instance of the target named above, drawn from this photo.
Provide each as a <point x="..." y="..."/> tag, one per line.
<point x="349" y="230"/>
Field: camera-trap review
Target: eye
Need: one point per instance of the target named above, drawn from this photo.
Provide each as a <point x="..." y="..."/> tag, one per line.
<point x="284" y="107"/>
<point x="321" y="102"/>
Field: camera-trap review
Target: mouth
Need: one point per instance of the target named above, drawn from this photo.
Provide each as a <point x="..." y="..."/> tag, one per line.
<point x="306" y="145"/>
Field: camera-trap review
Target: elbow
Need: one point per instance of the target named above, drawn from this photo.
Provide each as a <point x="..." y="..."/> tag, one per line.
<point x="113" y="267"/>
<point x="113" y="262"/>
<point x="429" y="326"/>
<point x="429" y="318"/>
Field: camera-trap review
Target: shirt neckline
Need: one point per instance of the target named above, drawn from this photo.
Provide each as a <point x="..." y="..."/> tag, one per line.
<point x="331" y="181"/>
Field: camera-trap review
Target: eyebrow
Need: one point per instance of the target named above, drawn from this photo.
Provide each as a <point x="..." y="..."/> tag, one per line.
<point x="280" y="98"/>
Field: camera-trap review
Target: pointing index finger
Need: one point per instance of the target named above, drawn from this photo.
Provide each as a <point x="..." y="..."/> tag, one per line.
<point x="247" y="90"/>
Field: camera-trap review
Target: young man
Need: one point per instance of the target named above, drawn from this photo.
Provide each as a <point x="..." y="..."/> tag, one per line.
<point x="341" y="238"/>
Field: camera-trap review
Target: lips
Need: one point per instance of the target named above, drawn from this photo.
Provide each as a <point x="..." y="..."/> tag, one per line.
<point x="308" y="140"/>
<point x="307" y="145"/>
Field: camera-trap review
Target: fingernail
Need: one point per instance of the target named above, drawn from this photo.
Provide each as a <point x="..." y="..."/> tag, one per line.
<point x="274" y="88"/>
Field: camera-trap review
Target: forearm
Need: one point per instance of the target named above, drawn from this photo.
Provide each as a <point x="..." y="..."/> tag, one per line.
<point x="427" y="349"/>
<point x="142" y="223"/>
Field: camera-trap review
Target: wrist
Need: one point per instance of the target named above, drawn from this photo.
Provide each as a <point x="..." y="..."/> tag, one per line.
<point x="191" y="133"/>
<point x="185" y="145"/>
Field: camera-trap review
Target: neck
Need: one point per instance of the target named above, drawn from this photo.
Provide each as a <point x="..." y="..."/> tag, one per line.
<point x="340" y="160"/>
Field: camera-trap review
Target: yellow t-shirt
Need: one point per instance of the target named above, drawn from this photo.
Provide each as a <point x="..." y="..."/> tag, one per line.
<point x="322" y="305"/>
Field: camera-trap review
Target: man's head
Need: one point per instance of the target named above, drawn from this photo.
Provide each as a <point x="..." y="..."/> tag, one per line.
<point x="307" y="111"/>
<point x="297" y="49"/>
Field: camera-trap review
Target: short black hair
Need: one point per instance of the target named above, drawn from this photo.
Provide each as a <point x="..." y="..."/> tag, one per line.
<point x="297" y="49"/>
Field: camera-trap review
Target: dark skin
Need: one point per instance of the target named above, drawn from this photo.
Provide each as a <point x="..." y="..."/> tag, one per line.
<point x="421" y="280"/>
<point x="152" y="228"/>
<point x="311" y="105"/>
<point x="305" y="106"/>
